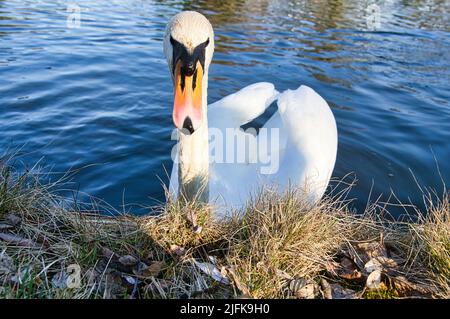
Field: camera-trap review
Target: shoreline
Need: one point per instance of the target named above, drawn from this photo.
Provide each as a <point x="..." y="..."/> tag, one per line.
<point x="278" y="248"/>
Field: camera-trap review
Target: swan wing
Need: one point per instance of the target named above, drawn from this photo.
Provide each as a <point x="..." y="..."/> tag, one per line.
<point x="309" y="127"/>
<point x="241" y="107"/>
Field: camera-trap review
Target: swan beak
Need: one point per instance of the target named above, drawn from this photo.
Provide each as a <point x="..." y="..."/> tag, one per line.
<point x="187" y="107"/>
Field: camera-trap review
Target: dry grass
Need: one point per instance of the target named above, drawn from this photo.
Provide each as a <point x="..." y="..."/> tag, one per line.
<point x="429" y="242"/>
<point x="277" y="242"/>
<point x="188" y="225"/>
<point x="279" y="238"/>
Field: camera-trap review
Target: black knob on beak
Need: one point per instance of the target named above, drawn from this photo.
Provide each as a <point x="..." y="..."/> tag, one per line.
<point x="187" y="125"/>
<point x="189" y="68"/>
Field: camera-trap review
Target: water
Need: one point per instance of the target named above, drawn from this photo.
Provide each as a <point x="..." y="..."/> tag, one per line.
<point x="97" y="99"/>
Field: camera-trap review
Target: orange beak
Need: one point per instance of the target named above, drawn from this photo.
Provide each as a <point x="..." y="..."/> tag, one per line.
<point x="187" y="106"/>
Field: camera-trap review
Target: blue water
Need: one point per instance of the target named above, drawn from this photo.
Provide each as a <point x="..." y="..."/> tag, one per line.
<point x="97" y="99"/>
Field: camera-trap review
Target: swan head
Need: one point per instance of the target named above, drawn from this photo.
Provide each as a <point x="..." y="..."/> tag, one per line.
<point x="189" y="47"/>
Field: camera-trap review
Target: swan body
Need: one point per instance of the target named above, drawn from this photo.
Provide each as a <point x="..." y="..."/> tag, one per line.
<point x="297" y="146"/>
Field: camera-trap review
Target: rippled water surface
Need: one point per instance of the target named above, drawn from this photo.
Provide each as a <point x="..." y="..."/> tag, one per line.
<point x="98" y="97"/>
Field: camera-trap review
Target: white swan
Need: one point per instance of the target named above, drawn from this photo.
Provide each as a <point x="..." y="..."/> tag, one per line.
<point x="301" y="150"/>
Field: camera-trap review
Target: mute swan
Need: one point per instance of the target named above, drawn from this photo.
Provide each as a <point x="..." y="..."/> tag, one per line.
<point x="300" y="138"/>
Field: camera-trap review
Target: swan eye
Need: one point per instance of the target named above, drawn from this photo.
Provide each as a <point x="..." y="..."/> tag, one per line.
<point x="172" y="40"/>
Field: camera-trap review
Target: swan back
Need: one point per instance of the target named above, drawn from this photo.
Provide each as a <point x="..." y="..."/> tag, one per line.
<point x="311" y="146"/>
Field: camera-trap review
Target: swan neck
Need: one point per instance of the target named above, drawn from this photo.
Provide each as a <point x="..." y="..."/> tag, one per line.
<point x="193" y="166"/>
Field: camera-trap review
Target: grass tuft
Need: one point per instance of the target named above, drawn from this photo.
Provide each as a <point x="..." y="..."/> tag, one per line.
<point x="278" y="247"/>
<point x="280" y="237"/>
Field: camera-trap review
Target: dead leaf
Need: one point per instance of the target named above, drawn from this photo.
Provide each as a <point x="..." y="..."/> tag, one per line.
<point x="19" y="241"/>
<point x="146" y="272"/>
<point x="107" y="253"/>
<point x="387" y="262"/>
<point x="326" y="289"/>
<point x="345" y="269"/>
<point x="373" y="249"/>
<point x="339" y="292"/>
<point x="128" y="260"/>
<point x="373" y="265"/>
<point x="155" y="268"/>
<point x="303" y="289"/>
<point x="361" y="253"/>
<point x="348" y="270"/>
<point x="211" y="271"/>
<point x="374" y="280"/>
<point x="404" y="287"/>
<point x="307" y="292"/>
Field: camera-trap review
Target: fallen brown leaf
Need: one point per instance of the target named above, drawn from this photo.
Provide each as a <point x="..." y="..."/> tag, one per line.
<point x="152" y="270"/>
<point x="404" y="287"/>
<point x="326" y="289"/>
<point x="373" y="265"/>
<point x="387" y="262"/>
<point x="106" y="252"/>
<point x="128" y="260"/>
<point x="348" y="270"/>
<point x="374" y="280"/>
<point x="303" y="289"/>
<point x="339" y="292"/>
<point x="361" y="253"/>
<point x="210" y="270"/>
<point x="345" y="269"/>
<point x="20" y="241"/>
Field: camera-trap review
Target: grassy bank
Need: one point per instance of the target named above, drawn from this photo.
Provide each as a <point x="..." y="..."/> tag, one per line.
<point x="280" y="248"/>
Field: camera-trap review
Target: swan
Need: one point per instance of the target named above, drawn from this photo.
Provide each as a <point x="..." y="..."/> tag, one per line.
<point x="297" y="146"/>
